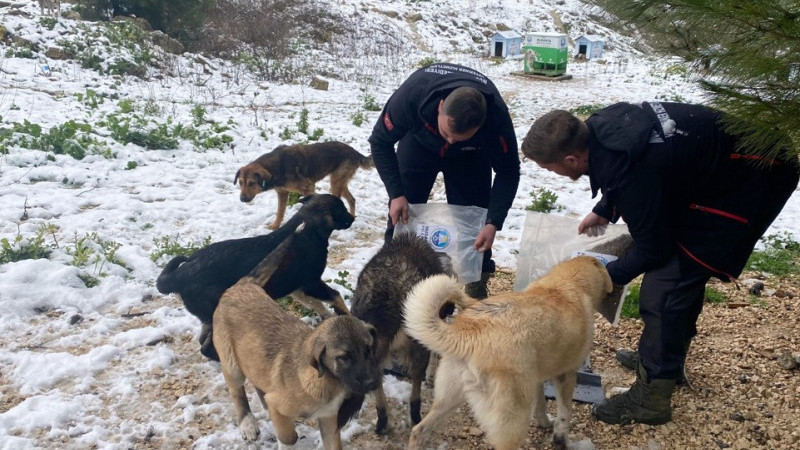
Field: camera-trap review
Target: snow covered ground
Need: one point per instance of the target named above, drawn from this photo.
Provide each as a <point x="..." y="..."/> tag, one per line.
<point x="91" y="355"/>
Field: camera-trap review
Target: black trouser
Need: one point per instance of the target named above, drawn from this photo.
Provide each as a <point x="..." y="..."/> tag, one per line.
<point x="670" y="301"/>
<point x="467" y="180"/>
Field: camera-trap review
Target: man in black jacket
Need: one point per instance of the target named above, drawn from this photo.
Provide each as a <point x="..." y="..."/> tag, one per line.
<point x="451" y="119"/>
<point x="695" y="205"/>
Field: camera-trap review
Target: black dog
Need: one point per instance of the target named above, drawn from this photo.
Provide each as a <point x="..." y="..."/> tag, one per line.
<point x="201" y="279"/>
<point x="378" y="300"/>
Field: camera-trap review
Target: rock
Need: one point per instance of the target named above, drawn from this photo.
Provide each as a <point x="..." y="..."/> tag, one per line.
<point x="319" y="83"/>
<point x="138" y="21"/>
<point x="787" y="361"/>
<point x="169" y="44"/>
<point x="756" y="288"/>
<point x="55" y="53"/>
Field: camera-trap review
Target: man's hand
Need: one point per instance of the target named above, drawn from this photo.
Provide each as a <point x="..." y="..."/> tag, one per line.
<point x="398" y="209"/>
<point x="485" y="238"/>
<point x="593" y="225"/>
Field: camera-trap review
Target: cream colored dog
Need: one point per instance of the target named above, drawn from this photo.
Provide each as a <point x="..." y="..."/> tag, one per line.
<point x="497" y="353"/>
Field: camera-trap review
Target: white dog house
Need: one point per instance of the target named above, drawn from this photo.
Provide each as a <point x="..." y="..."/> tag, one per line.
<point x="589" y="46"/>
<point x="506" y="44"/>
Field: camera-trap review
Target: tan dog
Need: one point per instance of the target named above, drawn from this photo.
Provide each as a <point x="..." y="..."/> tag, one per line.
<point x="497" y="353"/>
<point x="297" y="168"/>
<point x="298" y="372"/>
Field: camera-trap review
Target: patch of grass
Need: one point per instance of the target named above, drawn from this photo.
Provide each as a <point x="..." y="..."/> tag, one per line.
<point x="544" y="200"/>
<point x="779" y="257"/>
<point x="341" y="280"/>
<point x="585" y="111"/>
<point x="289" y="305"/>
<point x="171" y="246"/>
<point x="370" y="104"/>
<point x="294" y="197"/>
<point x="630" y="307"/>
<point x="33" y="247"/>
<point x="714" y="296"/>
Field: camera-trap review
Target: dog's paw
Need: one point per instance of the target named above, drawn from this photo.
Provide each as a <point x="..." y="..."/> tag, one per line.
<point x="559" y="442"/>
<point x="543" y="422"/>
<point x="249" y="428"/>
<point x="273" y="226"/>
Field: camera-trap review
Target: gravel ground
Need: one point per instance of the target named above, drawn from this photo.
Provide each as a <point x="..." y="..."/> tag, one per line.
<point x="741" y="394"/>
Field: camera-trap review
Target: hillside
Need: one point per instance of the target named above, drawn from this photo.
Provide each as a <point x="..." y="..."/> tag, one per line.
<point x="118" y="149"/>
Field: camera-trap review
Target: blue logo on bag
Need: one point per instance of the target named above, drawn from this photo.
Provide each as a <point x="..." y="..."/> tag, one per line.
<point x="440" y="238"/>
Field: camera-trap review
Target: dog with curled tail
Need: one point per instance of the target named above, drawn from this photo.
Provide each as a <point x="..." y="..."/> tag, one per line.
<point x="497" y="353"/>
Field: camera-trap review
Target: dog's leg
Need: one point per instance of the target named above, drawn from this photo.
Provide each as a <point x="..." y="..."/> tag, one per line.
<point x="320" y="291"/>
<point x="284" y="427"/>
<point x="419" y="356"/>
<point x="234" y="378"/>
<point x="381" y="408"/>
<point x="311" y="303"/>
<point x="502" y="405"/>
<point x="329" y="430"/>
<point x="263" y="400"/>
<point x="448" y="395"/>
<point x="539" y="404"/>
<point x="564" y="386"/>
<point x="283" y="199"/>
<point x="339" y="188"/>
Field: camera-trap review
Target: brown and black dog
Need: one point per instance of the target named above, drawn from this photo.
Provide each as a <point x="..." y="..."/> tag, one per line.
<point x="378" y="300"/>
<point x="298" y="372"/>
<point x="297" y="168"/>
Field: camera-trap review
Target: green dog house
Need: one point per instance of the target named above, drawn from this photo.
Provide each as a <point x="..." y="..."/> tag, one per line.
<point x="545" y="53"/>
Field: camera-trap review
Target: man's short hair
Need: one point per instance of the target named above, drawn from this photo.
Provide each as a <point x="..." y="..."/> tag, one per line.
<point x="466" y="108"/>
<point x="553" y="136"/>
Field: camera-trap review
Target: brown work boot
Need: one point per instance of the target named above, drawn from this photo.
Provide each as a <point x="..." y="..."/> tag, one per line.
<point x="645" y="402"/>
<point x="479" y="289"/>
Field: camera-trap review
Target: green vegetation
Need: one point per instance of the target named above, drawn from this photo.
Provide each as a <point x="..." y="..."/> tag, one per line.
<point x="33" y="247"/>
<point x="745" y="54"/>
<point x="170" y="246"/>
<point x="630" y="306"/>
<point x="584" y="111"/>
<point x="341" y="280"/>
<point x="370" y="104"/>
<point x="543" y="200"/>
<point x="780" y="256"/>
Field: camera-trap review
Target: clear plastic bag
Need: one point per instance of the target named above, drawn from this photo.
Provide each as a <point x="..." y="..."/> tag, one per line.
<point x="549" y="239"/>
<point x="449" y="229"/>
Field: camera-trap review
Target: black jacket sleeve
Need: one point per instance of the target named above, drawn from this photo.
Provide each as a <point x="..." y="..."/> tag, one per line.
<point x="505" y="163"/>
<point x="396" y="119"/>
<point x="643" y="204"/>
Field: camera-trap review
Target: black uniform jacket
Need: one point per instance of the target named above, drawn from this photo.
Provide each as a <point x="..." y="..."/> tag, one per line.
<point x="677" y="179"/>
<point x="412" y="110"/>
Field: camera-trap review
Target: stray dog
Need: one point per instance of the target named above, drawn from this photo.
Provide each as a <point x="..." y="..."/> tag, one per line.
<point x="297" y="168"/>
<point x="298" y="372"/>
<point x="53" y="7"/>
<point x="201" y="279"/>
<point x="497" y="353"/>
<point x="381" y="290"/>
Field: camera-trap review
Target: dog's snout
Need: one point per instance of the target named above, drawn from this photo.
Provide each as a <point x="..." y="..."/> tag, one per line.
<point x="245" y="198"/>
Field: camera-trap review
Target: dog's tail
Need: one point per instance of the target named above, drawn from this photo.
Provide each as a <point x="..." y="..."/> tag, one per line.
<point x="425" y="313"/>
<point x="164" y="282"/>
<point x="366" y="162"/>
<point x="269" y="265"/>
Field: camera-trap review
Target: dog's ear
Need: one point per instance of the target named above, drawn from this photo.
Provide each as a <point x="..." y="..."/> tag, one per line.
<point x="263" y="177"/>
<point x="236" y="177"/>
<point x="317" y="355"/>
<point x="305" y="199"/>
